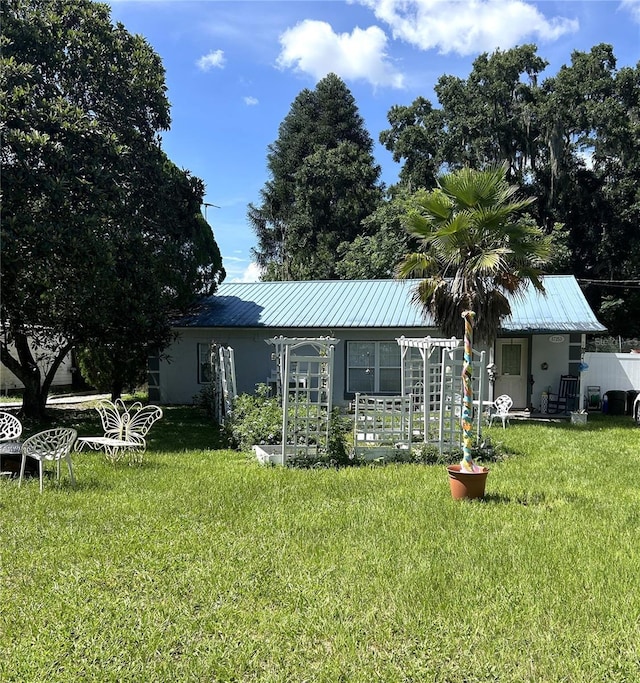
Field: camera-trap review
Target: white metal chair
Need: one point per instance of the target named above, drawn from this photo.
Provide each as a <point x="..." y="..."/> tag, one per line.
<point x="454" y="404"/>
<point x="10" y="427"/>
<point x="52" y="444"/>
<point x="136" y="423"/>
<point x="501" y="407"/>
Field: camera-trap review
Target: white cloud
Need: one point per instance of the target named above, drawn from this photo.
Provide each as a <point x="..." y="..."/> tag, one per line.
<point x="314" y="48"/>
<point x="251" y="101"/>
<point x="214" y="60"/>
<point x="634" y="8"/>
<point x="250" y="274"/>
<point x="468" y="26"/>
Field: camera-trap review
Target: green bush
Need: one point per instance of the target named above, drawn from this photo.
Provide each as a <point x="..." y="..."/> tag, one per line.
<point x="429" y="454"/>
<point x="206" y="399"/>
<point x="256" y="419"/>
<point x="337" y="453"/>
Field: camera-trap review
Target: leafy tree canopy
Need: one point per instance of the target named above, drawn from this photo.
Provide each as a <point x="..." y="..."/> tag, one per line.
<point x="102" y="235"/>
<point x="377" y="251"/>
<point x="571" y="140"/>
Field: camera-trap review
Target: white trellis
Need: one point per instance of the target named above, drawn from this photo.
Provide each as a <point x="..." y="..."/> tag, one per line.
<point x="223" y="380"/>
<point x="304" y="368"/>
<point x="382" y="425"/>
<point x="421" y="377"/>
<point x="228" y="378"/>
<point x="452" y="392"/>
<point x="432" y="373"/>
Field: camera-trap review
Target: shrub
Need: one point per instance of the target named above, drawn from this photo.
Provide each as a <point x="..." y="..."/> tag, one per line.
<point x="429" y="454"/>
<point x="256" y="419"/>
<point x="206" y="399"/>
<point x="337" y="453"/>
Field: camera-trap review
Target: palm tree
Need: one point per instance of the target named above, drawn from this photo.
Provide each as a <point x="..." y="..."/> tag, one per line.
<point x="476" y="250"/>
<point x="476" y="253"/>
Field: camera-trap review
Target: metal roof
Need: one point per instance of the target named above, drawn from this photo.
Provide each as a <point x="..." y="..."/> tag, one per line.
<point x="336" y="304"/>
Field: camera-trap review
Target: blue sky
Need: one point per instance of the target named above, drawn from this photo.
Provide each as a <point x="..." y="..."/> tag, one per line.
<point x="233" y="68"/>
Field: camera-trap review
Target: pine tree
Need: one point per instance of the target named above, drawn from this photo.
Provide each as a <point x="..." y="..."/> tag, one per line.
<point x="323" y="183"/>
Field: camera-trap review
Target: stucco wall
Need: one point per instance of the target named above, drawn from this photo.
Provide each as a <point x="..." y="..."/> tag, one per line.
<point x="550" y="351"/>
<point x="179" y="373"/>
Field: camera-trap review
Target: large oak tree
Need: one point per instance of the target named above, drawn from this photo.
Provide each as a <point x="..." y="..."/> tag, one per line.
<point x="572" y="140"/>
<point x="102" y="235"/>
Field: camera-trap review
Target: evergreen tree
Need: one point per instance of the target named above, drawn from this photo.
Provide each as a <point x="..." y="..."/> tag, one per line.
<point x="323" y="183"/>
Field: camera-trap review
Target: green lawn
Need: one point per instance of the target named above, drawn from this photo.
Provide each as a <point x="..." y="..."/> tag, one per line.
<point x="201" y="565"/>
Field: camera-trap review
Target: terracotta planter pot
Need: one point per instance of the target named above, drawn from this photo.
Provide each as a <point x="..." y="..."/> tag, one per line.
<point x="467" y="484"/>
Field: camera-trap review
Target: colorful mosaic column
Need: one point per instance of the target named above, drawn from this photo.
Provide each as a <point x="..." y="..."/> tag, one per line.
<point x="467" y="464"/>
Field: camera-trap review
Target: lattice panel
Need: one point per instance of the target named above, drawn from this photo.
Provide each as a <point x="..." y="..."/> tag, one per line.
<point x="452" y="392"/>
<point x="422" y="358"/>
<point x="305" y="368"/>
<point x="223" y="380"/>
<point x="382" y="424"/>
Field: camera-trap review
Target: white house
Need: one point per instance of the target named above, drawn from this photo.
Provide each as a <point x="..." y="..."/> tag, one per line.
<point x="63" y="377"/>
<point x="543" y="339"/>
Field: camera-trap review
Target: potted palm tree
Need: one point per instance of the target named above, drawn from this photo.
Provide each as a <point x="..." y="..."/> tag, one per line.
<point x="476" y="251"/>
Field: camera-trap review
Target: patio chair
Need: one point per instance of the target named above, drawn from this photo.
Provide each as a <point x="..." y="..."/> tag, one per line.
<point x="454" y="404"/>
<point x="501" y="407"/>
<point x="136" y="423"/>
<point x="565" y="399"/>
<point x="10" y="427"/>
<point x="52" y="444"/>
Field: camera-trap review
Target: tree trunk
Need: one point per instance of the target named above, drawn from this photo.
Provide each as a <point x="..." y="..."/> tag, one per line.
<point x="34" y="400"/>
<point x="117" y="387"/>
<point x="25" y="368"/>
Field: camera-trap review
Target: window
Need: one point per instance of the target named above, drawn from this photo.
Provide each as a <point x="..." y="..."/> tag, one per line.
<point x="373" y="367"/>
<point x="204" y="364"/>
<point x="511" y="357"/>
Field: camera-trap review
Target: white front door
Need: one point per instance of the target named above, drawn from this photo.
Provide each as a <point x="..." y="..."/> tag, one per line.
<point x="511" y="370"/>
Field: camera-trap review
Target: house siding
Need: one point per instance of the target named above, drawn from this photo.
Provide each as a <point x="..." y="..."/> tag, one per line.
<point x="254" y="365"/>
<point x="62" y="378"/>
<point x="245" y="315"/>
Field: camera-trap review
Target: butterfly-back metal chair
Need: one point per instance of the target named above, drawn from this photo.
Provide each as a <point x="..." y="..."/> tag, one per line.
<point x="124" y="428"/>
<point x="136" y="423"/>
<point x="52" y="444"/>
<point x="501" y="407"/>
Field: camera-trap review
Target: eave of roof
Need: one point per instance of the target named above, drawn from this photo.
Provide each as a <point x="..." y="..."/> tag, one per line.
<point x="338" y="304"/>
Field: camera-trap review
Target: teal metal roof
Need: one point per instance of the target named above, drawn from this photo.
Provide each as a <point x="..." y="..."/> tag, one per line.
<point x="336" y="304"/>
